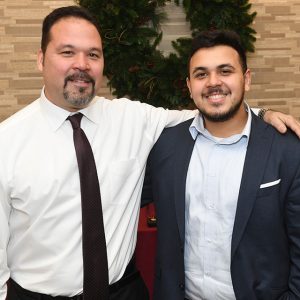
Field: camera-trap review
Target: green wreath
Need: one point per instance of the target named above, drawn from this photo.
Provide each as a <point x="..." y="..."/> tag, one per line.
<point x="131" y="32"/>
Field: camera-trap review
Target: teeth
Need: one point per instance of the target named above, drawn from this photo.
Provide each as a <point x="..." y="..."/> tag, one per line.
<point x="84" y="81"/>
<point x="215" y="97"/>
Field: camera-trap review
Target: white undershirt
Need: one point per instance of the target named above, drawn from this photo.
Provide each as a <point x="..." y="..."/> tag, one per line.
<point x="40" y="204"/>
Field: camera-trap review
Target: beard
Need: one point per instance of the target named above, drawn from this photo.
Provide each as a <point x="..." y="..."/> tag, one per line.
<point x="79" y="96"/>
<point x="222" y="116"/>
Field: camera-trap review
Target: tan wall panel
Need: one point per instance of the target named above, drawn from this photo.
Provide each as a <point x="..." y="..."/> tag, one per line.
<point x="275" y="64"/>
<point x="20" y="29"/>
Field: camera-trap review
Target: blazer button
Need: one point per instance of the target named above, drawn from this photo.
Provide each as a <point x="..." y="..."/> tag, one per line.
<point x="181" y="286"/>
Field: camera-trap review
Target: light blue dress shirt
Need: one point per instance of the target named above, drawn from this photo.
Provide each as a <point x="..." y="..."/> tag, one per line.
<point x="212" y="189"/>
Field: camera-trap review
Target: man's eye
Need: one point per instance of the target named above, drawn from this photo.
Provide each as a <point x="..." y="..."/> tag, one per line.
<point x="226" y="72"/>
<point x="201" y="75"/>
<point x="67" y="53"/>
<point x="94" y="55"/>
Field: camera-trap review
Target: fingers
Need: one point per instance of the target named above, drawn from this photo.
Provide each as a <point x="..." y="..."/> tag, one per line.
<point x="291" y="123"/>
<point x="281" y="122"/>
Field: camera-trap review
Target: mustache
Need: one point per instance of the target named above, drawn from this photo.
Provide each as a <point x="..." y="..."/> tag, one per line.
<point x="214" y="90"/>
<point x="79" y="76"/>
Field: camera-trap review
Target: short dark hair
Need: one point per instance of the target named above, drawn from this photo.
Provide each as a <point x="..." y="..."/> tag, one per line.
<point x="61" y="13"/>
<point x="212" y="38"/>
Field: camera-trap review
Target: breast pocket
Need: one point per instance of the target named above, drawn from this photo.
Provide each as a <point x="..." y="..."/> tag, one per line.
<point x="266" y="190"/>
<point x="124" y="177"/>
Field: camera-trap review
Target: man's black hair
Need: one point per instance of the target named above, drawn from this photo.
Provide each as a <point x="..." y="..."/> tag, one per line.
<point x="62" y="13"/>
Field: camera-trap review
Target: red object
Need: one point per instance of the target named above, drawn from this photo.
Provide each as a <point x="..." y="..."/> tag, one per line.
<point x="146" y="247"/>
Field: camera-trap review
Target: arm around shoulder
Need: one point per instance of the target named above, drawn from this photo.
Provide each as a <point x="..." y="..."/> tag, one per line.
<point x="279" y="120"/>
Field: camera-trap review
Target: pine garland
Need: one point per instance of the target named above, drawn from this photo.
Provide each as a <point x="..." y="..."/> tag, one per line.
<point x="131" y="32"/>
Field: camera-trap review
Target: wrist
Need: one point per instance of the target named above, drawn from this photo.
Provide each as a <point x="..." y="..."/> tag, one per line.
<point x="262" y="112"/>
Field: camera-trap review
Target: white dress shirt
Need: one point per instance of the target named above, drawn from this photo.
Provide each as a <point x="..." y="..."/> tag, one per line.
<point x="40" y="203"/>
<point x="212" y="189"/>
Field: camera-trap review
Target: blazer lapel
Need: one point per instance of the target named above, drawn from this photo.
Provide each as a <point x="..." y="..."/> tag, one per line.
<point x="182" y="159"/>
<point x="255" y="161"/>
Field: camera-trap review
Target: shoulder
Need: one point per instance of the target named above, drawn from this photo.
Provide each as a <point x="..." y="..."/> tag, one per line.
<point x="177" y="131"/>
<point x="124" y="107"/>
<point x="288" y="143"/>
<point x="173" y="138"/>
<point x="271" y="135"/>
<point x="22" y="118"/>
<point x="284" y="148"/>
<point x="123" y="103"/>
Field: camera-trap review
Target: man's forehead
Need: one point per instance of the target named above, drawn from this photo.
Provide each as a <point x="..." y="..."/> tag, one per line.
<point x="70" y="22"/>
<point x="219" y="50"/>
<point x="63" y="32"/>
<point x="216" y="56"/>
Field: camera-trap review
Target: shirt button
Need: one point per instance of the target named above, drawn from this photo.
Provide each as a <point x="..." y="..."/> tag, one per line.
<point x="181" y="286"/>
<point x="207" y="273"/>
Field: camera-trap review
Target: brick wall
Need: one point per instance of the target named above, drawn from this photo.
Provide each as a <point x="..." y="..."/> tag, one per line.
<point x="275" y="64"/>
<point x="276" y="61"/>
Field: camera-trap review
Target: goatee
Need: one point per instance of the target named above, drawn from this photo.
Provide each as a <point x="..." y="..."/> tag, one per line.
<point x="79" y="96"/>
<point x="221" y="116"/>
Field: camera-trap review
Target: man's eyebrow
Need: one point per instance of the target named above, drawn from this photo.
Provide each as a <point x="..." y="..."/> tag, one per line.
<point x="199" y="69"/>
<point x="62" y="46"/>
<point x="196" y="69"/>
<point x="96" y="49"/>
<point x="226" y="66"/>
<point x="65" y="46"/>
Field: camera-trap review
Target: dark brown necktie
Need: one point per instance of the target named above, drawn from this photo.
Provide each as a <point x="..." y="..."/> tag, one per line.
<point x="95" y="269"/>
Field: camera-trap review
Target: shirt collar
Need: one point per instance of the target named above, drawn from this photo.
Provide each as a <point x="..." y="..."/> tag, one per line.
<point x="197" y="127"/>
<point x="57" y="115"/>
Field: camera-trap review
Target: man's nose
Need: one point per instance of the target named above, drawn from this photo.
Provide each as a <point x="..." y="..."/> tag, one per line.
<point x="81" y="62"/>
<point x="213" y="80"/>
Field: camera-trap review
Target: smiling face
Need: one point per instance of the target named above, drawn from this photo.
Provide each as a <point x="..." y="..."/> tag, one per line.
<point x="72" y="64"/>
<point x="217" y="83"/>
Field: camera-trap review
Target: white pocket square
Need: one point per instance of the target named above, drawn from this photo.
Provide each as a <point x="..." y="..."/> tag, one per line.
<point x="268" y="184"/>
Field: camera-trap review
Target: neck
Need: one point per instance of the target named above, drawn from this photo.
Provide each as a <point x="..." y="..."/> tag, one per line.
<point x="234" y="125"/>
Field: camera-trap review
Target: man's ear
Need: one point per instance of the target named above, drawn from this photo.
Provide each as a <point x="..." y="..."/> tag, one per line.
<point x="247" y="76"/>
<point x="40" y="60"/>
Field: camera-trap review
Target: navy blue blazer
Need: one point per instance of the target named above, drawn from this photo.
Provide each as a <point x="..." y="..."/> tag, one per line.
<point x="265" y="250"/>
